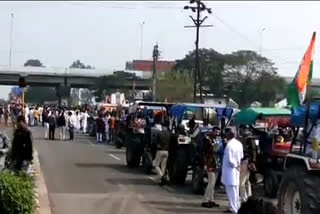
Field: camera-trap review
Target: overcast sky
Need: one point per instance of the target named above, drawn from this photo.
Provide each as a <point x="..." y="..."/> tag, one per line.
<point x="107" y="34"/>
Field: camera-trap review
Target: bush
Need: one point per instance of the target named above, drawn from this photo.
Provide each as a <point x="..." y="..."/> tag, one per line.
<point x="16" y="194"/>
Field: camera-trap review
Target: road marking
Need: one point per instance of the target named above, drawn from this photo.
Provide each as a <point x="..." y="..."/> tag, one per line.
<point x="115" y="157"/>
<point x="153" y="179"/>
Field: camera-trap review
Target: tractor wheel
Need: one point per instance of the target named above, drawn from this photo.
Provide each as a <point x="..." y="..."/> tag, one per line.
<point x="299" y="191"/>
<point x="133" y="156"/>
<point x="147" y="162"/>
<point x="270" y="183"/>
<point x="118" y="143"/>
<point x="180" y="168"/>
<point x="198" y="186"/>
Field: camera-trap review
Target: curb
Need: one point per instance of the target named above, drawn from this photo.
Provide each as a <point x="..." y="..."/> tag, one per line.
<point x="41" y="193"/>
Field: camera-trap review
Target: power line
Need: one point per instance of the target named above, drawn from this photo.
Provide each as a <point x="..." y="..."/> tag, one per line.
<point x="234" y="30"/>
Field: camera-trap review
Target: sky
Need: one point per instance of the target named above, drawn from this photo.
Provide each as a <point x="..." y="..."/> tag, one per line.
<point x="107" y="34"/>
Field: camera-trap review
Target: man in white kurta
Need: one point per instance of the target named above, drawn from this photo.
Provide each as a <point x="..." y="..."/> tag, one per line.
<point x="233" y="154"/>
<point x="84" y="119"/>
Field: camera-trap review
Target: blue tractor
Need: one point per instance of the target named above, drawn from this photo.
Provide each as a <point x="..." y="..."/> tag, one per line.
<point x="186" y="156"/>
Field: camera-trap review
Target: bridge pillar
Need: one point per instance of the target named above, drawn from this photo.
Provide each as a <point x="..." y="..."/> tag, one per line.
<point x="62" y="91"/>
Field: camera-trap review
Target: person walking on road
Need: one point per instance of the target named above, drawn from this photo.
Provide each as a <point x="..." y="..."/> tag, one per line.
<point x="84" y="121"/>
<point x="61" y="123"/>
<point x="233" y="154"/>
<point x="22" y="149"/>
<point x="247" y="163"/>
<point x="211" y="160"/>
<point x="160" y="161"/>
<point x="71" y="125"/>
<point x="1" y="113"/>
<point x="112" y="126"/>
<point x="45" y="119"/>
<point x="100" y="128"/>
<point x="78" y="124"/>
<point x="6" y="114"/>
<point x="52" y="125"/>
<point x="4" y="148"/>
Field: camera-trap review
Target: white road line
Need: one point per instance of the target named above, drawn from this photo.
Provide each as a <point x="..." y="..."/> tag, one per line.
<point x="115" y="157"/>
<point x="153" y="179"/>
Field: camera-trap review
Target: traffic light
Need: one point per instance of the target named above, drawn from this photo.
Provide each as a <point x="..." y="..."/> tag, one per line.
<point x="22" y="82"/>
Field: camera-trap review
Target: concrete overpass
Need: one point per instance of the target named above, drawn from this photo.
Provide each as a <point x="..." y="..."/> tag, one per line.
<point x="75" y="78"/>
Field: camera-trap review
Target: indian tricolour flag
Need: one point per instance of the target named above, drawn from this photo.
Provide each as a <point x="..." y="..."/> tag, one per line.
<point x="298" y="87"/>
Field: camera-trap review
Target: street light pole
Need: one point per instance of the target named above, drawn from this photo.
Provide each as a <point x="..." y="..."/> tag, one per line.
<point x="141" y="42"/>
<point x="11" y="31"/>
<point x="262" y="30"/>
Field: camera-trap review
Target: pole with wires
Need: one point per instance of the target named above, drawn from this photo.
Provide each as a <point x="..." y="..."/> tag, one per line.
<point x="141" y="42"/>
<point x="11" y="32"/>
<point x="200" y="7"/>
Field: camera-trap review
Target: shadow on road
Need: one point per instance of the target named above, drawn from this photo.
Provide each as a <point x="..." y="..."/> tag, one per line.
<point x="119" y="167"/>
<point x="130" y="181"/>
<point x="118" y="151"/>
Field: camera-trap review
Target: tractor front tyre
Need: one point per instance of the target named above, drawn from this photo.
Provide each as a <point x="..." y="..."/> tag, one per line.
<point x="270" y="183"/>
<point x="132" y="155"/>
<point x="198" y="186"/>
<point x="180" y="168"/>
<point x="299" y="191"/>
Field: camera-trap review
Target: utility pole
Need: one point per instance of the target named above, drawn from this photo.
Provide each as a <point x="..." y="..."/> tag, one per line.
<point x="141" y="42"/>
<point x="200" y="7"/>
<point x="11" y="31"/>
<point x="155" y="56"/>
<point x="262" y="30"/>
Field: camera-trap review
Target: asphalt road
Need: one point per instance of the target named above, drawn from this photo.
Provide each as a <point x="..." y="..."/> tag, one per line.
<point x="83" y="177"/>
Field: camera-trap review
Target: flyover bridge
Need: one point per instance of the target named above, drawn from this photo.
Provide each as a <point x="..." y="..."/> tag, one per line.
<point x="72" y="77"/>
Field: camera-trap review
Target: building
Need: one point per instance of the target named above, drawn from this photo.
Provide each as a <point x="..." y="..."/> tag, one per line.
<point x="147" y="65"/>
<point x="218" y="101"/>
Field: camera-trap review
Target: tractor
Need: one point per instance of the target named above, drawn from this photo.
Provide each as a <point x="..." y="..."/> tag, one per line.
<point x="186" y="156"/>
<point x="299" y="190"/>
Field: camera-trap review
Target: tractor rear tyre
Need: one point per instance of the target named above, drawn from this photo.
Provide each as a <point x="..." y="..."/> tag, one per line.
<point x="180" y="168"/>
<point x="299" y="191"/>
<point x="270" y="183"/>
<point x="147" y="162"/>
<point x="198" y="186"/>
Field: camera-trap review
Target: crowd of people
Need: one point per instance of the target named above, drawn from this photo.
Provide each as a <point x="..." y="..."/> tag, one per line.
<point x="227" y="159"/>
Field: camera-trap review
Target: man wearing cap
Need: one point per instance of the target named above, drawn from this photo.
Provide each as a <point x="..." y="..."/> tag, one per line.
<point x="212" y="165"/>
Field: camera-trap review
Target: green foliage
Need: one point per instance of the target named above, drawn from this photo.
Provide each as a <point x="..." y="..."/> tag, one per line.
<point x="79" y="64"/>
<point x="105" y="87"/>
<point x="174" y="87"/>
<point x="243" y="75"/>
<point x="33" y="62"/>
<point x="16" y="194"/>
<point x="40" y="94"/>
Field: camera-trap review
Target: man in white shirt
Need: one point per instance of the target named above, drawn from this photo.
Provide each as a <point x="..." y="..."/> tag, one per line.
<point x="233" y="154"/>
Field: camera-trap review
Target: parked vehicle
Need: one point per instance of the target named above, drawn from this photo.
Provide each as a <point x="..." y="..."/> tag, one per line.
<point x="139" y="138"/>
<point x="300" y="184"/>
<point x="184" y="157"/>
<point x="272" y="146"/>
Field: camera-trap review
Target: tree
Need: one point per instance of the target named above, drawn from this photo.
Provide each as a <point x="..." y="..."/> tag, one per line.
<point x="243" y="75"/>
<point x="175" y="87"/>
<point x="211" y="66"/>
<point x="103" y="86"/>
<point x="79" y="64"/>
<point x="33" y="62"/>
<point x="36" y="94"/>
<point x="40" y="94"/>
<point x="249" y="78"/>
